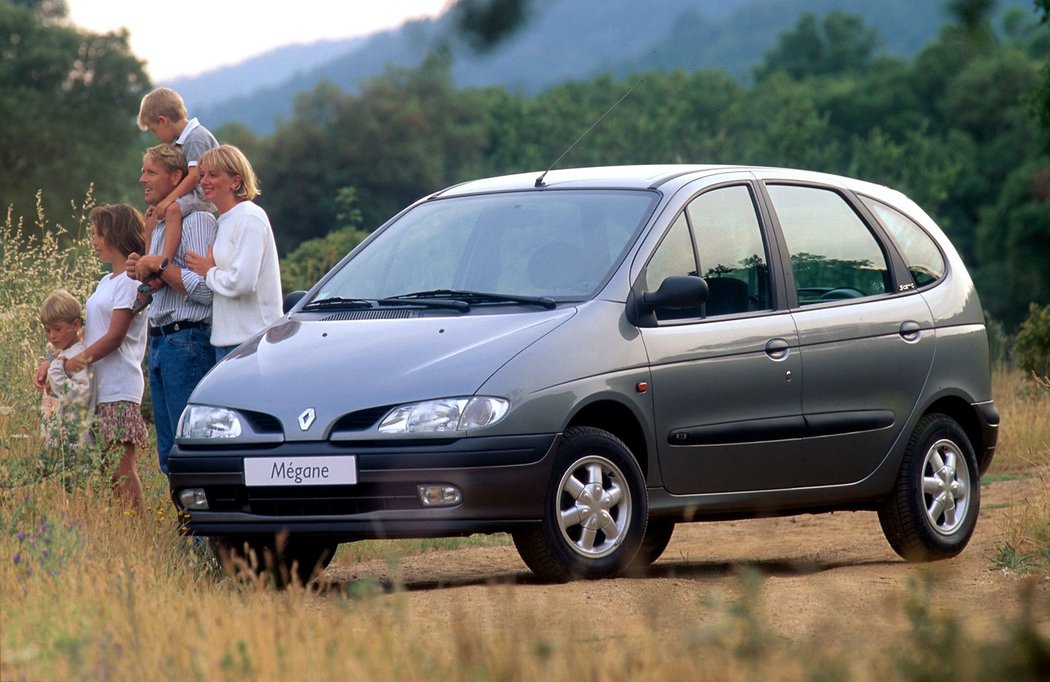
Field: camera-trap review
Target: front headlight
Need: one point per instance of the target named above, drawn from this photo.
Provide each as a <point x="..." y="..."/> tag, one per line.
<point x="445" y="416"/>
<point x="205" y="421"/>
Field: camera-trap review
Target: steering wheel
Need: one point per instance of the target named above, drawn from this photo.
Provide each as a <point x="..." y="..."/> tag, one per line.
<point x="841" y="293"/>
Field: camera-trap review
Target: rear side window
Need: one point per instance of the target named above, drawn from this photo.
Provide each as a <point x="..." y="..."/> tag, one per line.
<point x="833" y="253"/>
<point x="925" y="261"/>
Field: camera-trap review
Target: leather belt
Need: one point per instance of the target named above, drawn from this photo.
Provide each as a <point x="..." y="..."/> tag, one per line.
<point x="176" y="327"/>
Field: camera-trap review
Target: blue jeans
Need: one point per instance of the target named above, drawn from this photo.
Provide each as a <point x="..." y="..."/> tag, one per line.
<point x="223" y="351"/>
<point x="176" y="363"/>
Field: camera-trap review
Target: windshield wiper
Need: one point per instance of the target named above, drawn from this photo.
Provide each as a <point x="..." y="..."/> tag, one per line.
<point x="337" y="302"/>
<point x="427" y="300"/>
<point x="481" y="297"/>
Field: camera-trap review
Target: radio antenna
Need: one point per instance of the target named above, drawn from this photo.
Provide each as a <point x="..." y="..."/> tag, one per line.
<point x="539" y="180"/>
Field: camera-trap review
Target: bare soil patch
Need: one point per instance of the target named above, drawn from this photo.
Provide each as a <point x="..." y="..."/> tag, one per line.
<point x="830" y="575"/>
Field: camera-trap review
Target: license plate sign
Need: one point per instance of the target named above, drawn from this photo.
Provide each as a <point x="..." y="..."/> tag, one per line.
<point x="299" y="471"/>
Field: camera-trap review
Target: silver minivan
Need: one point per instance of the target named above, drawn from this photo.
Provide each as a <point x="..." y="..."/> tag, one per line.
<point x="585" y="358"/>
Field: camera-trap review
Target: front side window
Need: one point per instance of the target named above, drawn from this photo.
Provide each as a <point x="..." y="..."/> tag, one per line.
<point x="674" y="257"/>
<point x="834" y="255"/>
<point x="923" y="258"/>
<point x="732" y="254"/>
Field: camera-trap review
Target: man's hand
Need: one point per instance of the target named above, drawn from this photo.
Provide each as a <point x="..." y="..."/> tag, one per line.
<point x="131" y="265"/>
<point x="146" y="266"/>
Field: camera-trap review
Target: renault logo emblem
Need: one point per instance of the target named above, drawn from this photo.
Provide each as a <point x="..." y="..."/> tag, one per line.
<point x="306" y="419"/>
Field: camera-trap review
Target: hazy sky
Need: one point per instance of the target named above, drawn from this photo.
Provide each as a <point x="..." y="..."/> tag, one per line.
<point x="237" y="29"/>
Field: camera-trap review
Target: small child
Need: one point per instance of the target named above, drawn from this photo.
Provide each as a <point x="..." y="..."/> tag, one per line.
<point x="68" y="402"/>
<point x="163" y="113"/>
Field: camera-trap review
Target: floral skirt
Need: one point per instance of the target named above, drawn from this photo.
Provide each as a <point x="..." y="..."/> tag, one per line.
<point x="121" y="422"/>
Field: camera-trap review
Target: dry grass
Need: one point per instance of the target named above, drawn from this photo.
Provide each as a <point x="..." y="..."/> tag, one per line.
<point x="1024" y="434"/>
<point x="89" y="592"/>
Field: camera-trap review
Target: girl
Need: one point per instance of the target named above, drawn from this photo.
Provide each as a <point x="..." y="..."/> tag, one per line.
<point x="116" y="344"/>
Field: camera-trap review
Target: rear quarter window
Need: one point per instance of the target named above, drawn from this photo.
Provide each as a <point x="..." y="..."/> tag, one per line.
<point x="924" y="260"/>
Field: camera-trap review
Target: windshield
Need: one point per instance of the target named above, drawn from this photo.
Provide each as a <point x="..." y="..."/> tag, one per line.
<point x="553" y="243"/>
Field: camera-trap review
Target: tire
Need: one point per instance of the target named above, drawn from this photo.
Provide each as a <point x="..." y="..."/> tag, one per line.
<point x="284" y="559"/>
<point x="657" y="535"/>
<point x="594" y="511"/>
<point x="932" y="511"/>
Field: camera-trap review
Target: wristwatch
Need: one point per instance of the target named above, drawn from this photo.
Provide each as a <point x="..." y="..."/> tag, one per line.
<point x="163" y="264"/>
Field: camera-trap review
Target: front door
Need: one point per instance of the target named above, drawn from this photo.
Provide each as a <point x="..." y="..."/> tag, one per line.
<point x="726" y="377"/>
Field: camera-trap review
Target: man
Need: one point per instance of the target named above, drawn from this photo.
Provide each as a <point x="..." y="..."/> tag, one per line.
<point x="180" y="351"/>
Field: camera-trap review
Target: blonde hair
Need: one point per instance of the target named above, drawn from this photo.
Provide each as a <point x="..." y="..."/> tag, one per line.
<point x="169" y="157"/>
<point x="161" y="102"/>
<point x="61" y="306"/>
<point x="233" y="162"/>
<point x="122" y="226"/>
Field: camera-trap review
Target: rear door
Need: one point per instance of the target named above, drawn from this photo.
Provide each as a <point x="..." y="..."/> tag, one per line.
<point x="866" y="337"/>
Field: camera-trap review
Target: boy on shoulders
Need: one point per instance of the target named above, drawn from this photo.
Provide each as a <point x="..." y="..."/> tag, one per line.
<point x="163" y="113"/>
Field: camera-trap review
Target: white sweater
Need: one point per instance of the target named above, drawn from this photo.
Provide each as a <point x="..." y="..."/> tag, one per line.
<point x="246" y="279"/>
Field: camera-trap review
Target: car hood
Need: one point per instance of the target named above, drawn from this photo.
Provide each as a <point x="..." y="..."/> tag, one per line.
<point x="341" y="366"/>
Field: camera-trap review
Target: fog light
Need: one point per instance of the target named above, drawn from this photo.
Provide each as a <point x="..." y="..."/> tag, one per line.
<point x="439" y="495"/>
<point x="193" y="499"/>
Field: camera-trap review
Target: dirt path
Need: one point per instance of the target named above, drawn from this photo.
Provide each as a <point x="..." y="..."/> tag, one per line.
<point x="827" y="574"/>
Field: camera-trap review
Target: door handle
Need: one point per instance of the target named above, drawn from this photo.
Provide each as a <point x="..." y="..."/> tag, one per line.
<point x="777" y="349"/>
<point x="910" y="331"/>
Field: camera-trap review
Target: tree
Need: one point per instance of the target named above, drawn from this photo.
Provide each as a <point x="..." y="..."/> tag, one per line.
<point x="1041" y="100"/>
<point x="1014" y="244"/>
<point x="408" y="133"/>
<point x="841" y="43"/>
<point x="67" y="101"/>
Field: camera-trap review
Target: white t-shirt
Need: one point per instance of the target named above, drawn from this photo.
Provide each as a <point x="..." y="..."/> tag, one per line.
<point x="118" y="376"/>
<point x="246" y="279"/>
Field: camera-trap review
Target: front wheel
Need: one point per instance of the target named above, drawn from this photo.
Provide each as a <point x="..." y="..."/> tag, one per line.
<point x="657" y="536"/>
<point x="594" y="512"/>
<point x="933" y="508"/>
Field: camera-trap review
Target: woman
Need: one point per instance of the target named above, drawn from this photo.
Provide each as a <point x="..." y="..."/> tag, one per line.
<point x="241" y="268"/>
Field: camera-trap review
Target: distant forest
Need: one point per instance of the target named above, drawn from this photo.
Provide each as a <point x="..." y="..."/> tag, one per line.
<point x="963" y="127"/>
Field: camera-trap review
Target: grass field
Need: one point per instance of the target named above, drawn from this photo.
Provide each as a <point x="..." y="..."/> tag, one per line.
<point x="90" y="592"/>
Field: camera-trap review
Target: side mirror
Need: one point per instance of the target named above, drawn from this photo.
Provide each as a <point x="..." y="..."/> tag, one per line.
<point x="676" y="293"/>
<point x="291" y="299"/>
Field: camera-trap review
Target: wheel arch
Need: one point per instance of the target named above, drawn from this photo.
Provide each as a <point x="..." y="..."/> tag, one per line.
<point x="620" y="421"/>
<point x="966" y="416"/>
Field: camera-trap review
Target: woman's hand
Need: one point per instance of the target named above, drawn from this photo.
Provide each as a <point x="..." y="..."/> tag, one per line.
<point x="200" y="264"/>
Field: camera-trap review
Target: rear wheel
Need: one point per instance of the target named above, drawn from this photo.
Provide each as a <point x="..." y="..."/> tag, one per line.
<point x="933" y="508"/>
<point x="284" y="559"/>
<point x="594" y="512"/>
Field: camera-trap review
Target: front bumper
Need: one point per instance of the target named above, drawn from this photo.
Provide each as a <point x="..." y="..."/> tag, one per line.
<point x="504" y="481"/>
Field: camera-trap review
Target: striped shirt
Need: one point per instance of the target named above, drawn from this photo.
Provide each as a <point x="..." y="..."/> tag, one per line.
<point x="198" y="233"/>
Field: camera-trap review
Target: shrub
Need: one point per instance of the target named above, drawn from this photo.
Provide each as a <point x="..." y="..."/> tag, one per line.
<point x="315" y="257"/>
<point x="1032" y="345"/>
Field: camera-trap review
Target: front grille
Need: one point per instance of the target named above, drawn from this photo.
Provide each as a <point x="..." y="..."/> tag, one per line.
<point x="361" y="420"/>
<point x="263" y="423"/>
<point x="312" y="500"/>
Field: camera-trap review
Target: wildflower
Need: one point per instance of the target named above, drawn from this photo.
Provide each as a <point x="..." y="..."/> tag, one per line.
<point x="18" y="557"/>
